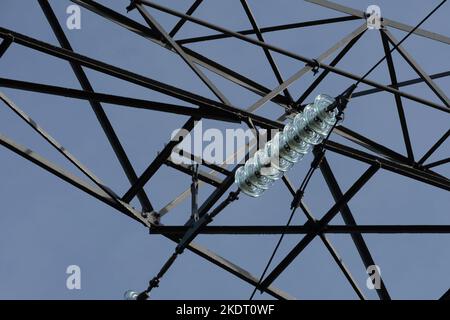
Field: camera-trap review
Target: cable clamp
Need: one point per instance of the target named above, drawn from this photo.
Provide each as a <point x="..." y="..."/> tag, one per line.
<point x="154" y="283"/>
<point x="315" y="65"/>
<point x="234" y="195"/>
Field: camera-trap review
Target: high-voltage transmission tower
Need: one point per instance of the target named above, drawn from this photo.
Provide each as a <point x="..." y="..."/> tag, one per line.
<point x="416" y="167"/>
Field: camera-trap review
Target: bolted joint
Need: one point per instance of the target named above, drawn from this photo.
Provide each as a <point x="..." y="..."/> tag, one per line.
<point x="154" y="217"/>
<point x="234" y="195"/>
<point x="154" y="283"/>
<point x="318" y="227"/>
<point x="417" y="165"/>
<point x="315" y="66"/>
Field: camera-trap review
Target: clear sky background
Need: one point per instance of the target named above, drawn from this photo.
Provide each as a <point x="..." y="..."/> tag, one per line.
<point x="46" y="225"/>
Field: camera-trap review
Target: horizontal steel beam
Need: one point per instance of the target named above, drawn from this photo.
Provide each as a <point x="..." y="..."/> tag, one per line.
<point x="334" y="229"/>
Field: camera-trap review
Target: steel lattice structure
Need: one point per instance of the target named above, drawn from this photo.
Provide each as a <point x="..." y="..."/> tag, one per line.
<point x="378" y="156"/>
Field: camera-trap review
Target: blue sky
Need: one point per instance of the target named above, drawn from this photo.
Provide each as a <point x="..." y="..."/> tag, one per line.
<point x="46" y="225"/>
